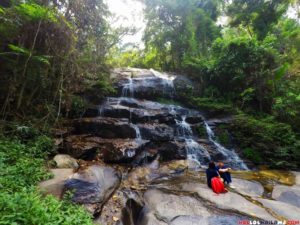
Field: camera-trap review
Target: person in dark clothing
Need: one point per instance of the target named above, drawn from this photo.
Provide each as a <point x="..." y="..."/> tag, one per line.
<point x="211" y="172"/>
<point x="224" y="173"/>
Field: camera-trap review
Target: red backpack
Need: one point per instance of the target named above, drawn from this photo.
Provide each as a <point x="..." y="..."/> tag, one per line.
<point x="217" y="185"/>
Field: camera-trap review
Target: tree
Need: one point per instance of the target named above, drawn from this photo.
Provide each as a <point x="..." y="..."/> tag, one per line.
<point x="180" y="29"/>
<point x="258" y="15"/>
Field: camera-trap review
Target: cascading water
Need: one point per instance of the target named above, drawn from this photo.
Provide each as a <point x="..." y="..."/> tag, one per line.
<point x="231" y="155"/>
<point x="195" y="152"/>
<point x="138" y="137"/>
<point x="128" y="89"/>
<point x="126" y="106"/>
<point x="183" y="130"/>
<point x="168" y="82"/>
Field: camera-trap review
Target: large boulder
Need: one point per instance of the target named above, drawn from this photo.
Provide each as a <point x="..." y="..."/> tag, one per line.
<point x="156" y="132"/>
<point x="105" y="127"/>
<point x="93" y="186"/>
<point x="65" y="161"/>
<point x="55" y="186"/>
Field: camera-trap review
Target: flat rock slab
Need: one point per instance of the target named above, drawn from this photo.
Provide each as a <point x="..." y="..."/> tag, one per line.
<point x="150" y="219"/>
<point x="282" y="209"/>
<point x="199" y="220"/>
<point x="229" y="201"/>
<point x="287" y="194"/>
<point x="168" y="206"/>
<point x="250" y="188"/>
<point x="55" y="185"/>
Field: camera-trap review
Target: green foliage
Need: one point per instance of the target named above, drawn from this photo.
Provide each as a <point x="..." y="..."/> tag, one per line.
<point x="22" y="167"/>
<point x="27" y="206"/>
<point x="211" y="106"/>
<point x="201" y="131"/>
<point x="253" y="155"/>
<point x="168" y="101"/>
<point x="177" y="30"/>
<point x="223" y="136"/>
<point x="257" y="15"/>
<point x="48" y="53"/>
<point x="267" y="139"/>
<point x="78" y="106"/>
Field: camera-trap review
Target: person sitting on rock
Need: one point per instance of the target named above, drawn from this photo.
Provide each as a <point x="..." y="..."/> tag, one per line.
<point x="225" y="173"/>
<point x="211" y="172"/>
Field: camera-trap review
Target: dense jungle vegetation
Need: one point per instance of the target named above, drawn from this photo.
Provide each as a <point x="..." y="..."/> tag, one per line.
<point x="243" y="56"/>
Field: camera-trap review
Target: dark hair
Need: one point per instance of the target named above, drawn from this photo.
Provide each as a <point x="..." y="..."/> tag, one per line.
<point x="212" y="165"/>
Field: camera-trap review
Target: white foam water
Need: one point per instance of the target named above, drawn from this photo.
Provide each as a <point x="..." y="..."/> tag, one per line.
<point x="229" y="154"/>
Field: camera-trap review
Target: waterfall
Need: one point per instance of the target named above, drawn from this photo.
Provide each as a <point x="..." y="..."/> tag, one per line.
<point x="229" y="154"/>
<point x="168" y="82"/>
<point x="183" y="128"/>
<point x="138" y="137"/>
<point x="144" y="111"/>
<point x="129" y="87"/>
<point x="195" y="152"/>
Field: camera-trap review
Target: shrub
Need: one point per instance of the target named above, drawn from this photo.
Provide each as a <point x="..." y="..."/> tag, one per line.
<point x="22" y="167"/>
<point x="265" y="138"/>
<point x="29" y="207"/>
<point x="212" y="106"/>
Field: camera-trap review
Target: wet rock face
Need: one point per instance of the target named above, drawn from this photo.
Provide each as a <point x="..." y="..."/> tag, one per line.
<point x="109" y="150"/>
<point x="142" y="87"/>
<point x="93" y="186"/>
<point x="80" y="146"/>
<point x="156" y="132"/>
<point x="194" y="119"/>
<point x="105" y="127"/>
<point x="172" y="150"/>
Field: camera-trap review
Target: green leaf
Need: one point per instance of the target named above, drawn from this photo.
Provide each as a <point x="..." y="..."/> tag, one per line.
<point x="42" y="59"/>
<point x="281" y="71"/>
<point x="19" y="49"/>
<point x="1" y="10"/>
